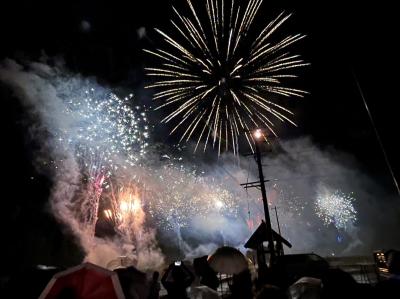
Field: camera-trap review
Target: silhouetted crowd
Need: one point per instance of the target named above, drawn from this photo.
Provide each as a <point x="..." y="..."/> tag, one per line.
<point x="334" y="283"/>
<point x="199" y="280"/>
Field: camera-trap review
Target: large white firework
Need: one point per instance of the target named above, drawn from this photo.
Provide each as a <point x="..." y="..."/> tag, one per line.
<point x="220" y="76"/>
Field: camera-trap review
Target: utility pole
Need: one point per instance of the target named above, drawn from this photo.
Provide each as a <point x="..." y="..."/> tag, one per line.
<point x="279" y="248"/>
<point x="277" y="220"/>
<point x="258" y="137"/>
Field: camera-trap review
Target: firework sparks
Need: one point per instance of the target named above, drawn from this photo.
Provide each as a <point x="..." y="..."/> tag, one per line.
<point x="107" y="129"/>
<point x="284" y="195"/>
<point x="127" y="215"/>
<point x="105" y="134"/>
<point x="220" y="76"/>
<point x="181" y="193"/>
<point x="126" y="212"/>
<point x="335" y="207"/>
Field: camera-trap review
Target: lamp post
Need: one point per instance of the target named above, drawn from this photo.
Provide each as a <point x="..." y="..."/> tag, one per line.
<point x="258" y="137"/>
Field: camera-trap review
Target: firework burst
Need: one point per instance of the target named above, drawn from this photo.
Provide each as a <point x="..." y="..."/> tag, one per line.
<point x="335" y="207"/>
<point x="106" y="130"/>
<point x="104" y="133"/>
<point x="125" y="213"/>
<point x="180" y="193"/>
<point x="220" y="76"/>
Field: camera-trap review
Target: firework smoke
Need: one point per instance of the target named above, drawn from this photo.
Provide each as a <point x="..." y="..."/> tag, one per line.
<point x="126" y="214"/>
<point x="192" y="206"/>
<point x="105" y="134"/>
<point x="89" y="135"/>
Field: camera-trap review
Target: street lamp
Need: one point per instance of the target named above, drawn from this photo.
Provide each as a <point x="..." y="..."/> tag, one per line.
<point x="258" y="136"/>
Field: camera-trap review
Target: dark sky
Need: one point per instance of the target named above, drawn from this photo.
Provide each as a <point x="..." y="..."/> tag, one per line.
<point x="343" y="40"/>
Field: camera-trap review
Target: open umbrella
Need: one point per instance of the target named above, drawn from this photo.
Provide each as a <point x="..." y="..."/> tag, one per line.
<point x="134" y="282"/>
<point x="205" y="272"/>
<point x="86" y="281"/>
<point x="203" y="292"/>
<point x="305" y="288"/>
<point x="228" y="260"/>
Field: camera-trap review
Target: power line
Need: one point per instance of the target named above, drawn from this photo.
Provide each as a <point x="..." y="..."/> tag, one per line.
<point x="378" y="137"/>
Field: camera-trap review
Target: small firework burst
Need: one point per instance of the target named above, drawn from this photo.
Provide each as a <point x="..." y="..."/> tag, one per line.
<point x="335" y="207"/>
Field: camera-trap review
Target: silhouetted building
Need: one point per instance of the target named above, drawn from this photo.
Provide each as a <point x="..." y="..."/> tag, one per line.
<point x="256" y="242"/>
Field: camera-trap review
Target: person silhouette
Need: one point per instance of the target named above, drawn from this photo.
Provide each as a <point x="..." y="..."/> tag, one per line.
<point x="207" y="275"/>
<point x="176" y="280"/>
<point x="154" y="291"/>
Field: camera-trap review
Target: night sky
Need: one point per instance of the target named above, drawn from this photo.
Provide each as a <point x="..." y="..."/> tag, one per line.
<point x="100" y="39"/>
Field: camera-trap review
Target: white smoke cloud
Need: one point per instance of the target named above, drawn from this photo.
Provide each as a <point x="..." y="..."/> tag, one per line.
<point x="43" y="90"/>
<point x="176" y="195"/>
<point x="295" y="169"/>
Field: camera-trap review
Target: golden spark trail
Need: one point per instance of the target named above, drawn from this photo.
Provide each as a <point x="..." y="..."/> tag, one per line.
<point x="220" y="76"/>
